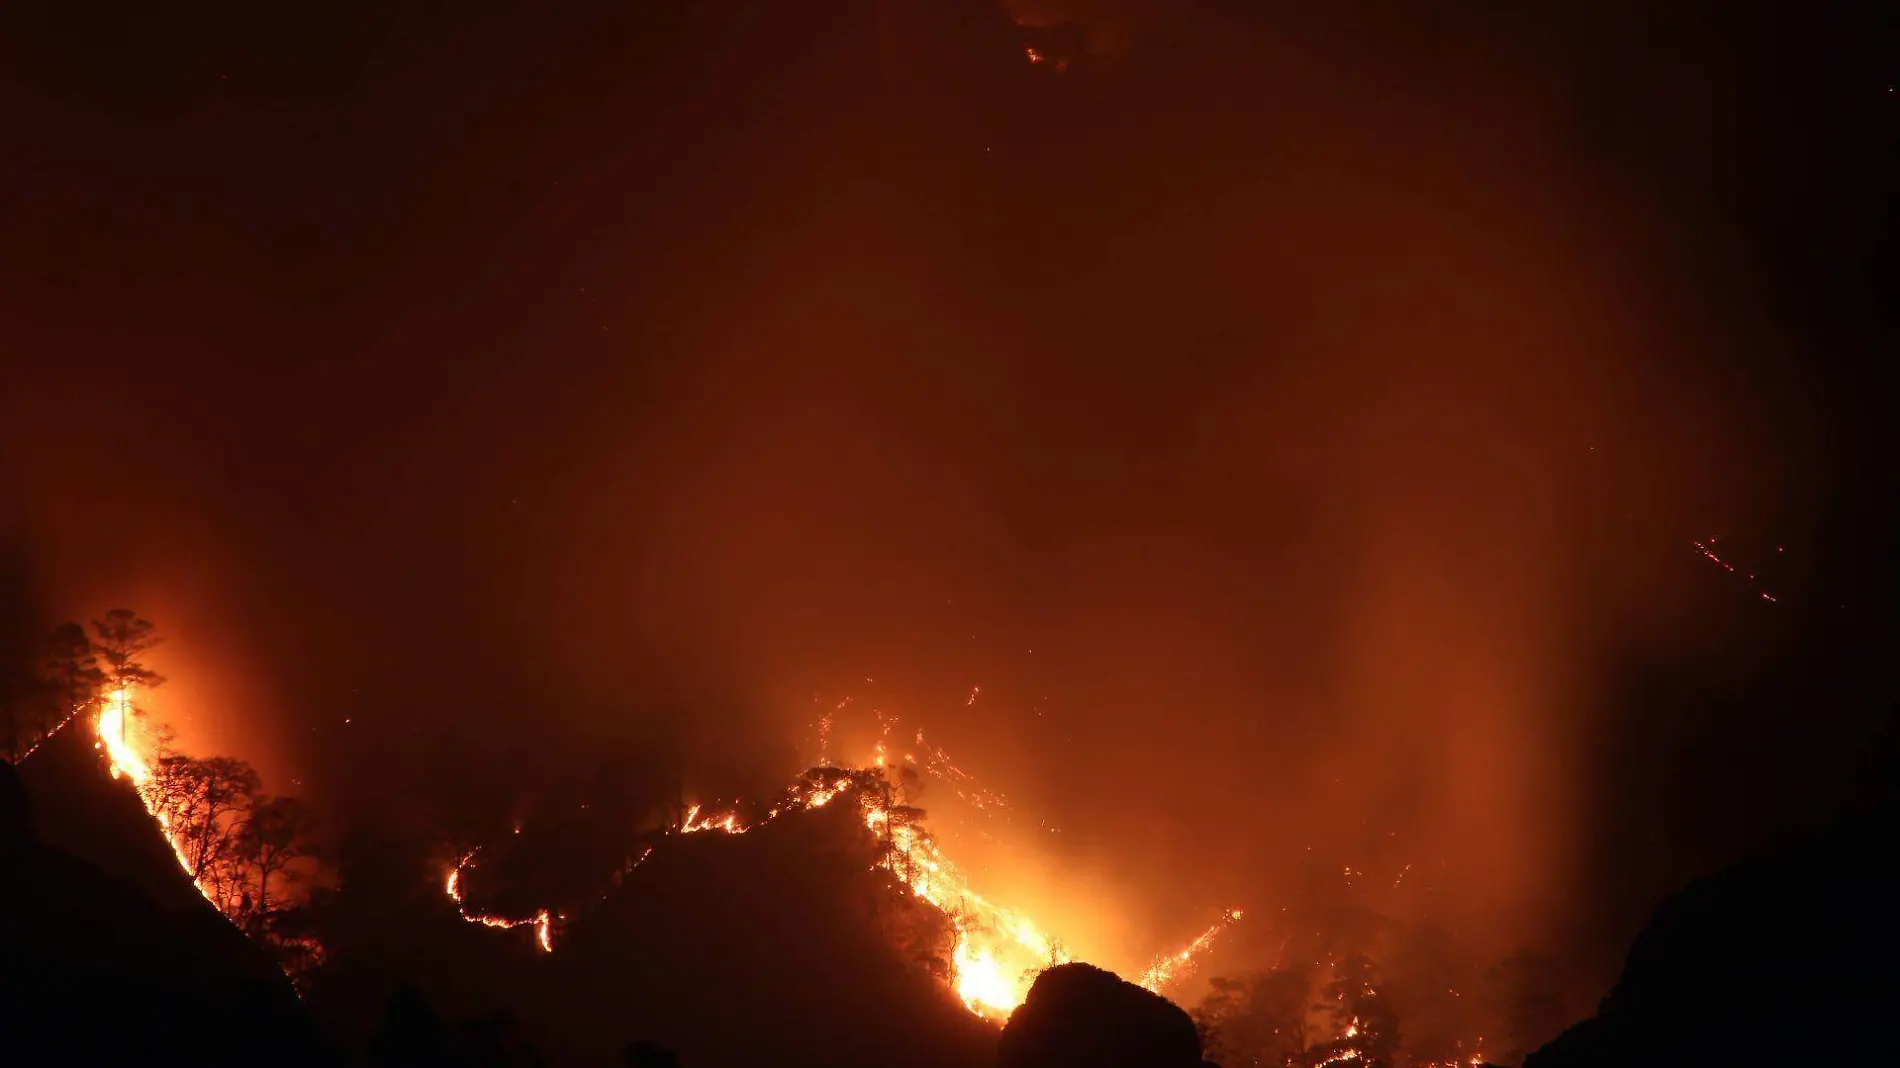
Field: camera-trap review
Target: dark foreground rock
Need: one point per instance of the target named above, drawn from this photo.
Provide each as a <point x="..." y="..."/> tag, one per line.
<point x="1079" y="1016"/>
<point x="1789" y="959"/>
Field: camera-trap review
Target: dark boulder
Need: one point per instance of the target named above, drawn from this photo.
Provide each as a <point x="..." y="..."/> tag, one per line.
<point x="1783" y="959"/>
<point x="1079" y="1016"/>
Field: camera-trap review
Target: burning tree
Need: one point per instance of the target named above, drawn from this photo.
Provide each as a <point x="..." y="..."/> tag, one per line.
<point x="923" y="934"/>
<point x="205" y="804"/>
<point x="1367" y="1027"/>
<point x="244" y="848"/>
<point x="239" y="847"/>
<point x="119" y="645"/>
<point x="120" y="642"/>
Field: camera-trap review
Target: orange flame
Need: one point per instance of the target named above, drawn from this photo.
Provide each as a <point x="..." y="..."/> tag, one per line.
<point x="541" y="921"/>
<point x="727" y="824"/>
<point x="124" y="759"/>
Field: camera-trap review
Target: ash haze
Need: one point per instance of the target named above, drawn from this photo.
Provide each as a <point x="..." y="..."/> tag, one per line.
<point x="1293" y="423"/>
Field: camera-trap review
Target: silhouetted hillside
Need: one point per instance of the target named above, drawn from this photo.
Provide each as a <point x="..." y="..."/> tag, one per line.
<point x="79" y="808"/>
<point x="783" y="945"/>
<point x="93" y="970"/>
<point x="1788" y="959"/>
<point x="389" y="925"/>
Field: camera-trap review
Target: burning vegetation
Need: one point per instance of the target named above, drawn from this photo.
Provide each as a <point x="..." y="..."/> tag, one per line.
<point x="254" y="857"/>
<point x="250" y="854"/>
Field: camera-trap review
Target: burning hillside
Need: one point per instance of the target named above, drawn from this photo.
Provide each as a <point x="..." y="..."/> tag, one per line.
<point x="692" y="910"/>
<point x="996" y="950"/>
<point x="247" y="854"/>
<point x="102" y="814"/>
<point x="241" y="849"/>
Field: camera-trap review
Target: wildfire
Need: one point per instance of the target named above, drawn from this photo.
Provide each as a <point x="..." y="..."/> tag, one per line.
<point x="541" y="921"/>
<point x="125" y="761"/>
<point x="938" y="764"/>
<point x="49" y="735"/>
<point x="1705" y="550"/>
<point x="727" y="824"/>
<point x="1179" y="965"/>
<point x="454" y="886"/>
<point x="998" y="951"/>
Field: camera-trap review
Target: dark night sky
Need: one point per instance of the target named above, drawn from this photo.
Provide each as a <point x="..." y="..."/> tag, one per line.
<point x="1326" y="396"/>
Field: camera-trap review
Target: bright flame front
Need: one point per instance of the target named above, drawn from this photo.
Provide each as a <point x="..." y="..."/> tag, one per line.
<point x="112" y="729"/>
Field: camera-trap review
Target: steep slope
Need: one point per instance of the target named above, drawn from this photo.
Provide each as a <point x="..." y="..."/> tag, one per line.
<point x="97" y="969"/>
<point x="79" y="807"/>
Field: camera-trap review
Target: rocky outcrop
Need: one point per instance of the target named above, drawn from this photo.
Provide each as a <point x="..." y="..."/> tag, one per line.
<point x="1079" y="1016"/>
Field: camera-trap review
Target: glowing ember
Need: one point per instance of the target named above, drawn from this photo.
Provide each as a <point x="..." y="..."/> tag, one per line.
<point x="938" y="765"/>
<point x="1704" y="549"/>
<point x="1179" y="965"/>
<point x="49" y="735"/>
